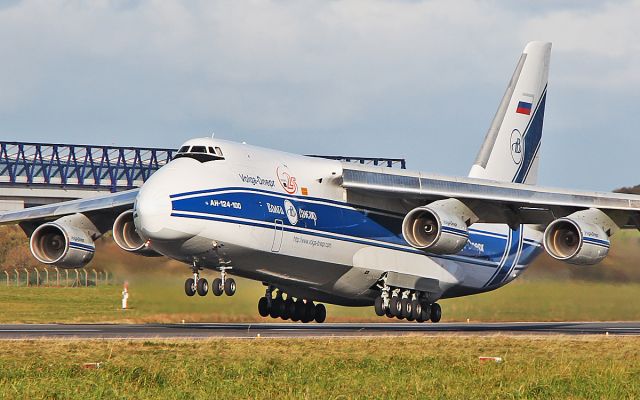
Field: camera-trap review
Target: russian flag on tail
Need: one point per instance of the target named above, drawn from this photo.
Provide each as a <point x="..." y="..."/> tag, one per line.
<point x="524" y="108"/>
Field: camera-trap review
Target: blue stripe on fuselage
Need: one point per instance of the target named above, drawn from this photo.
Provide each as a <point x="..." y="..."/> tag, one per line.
<point x="328" y="219"/>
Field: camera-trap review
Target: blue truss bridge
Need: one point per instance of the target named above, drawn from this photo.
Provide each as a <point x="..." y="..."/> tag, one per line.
<point x="82" y="166"/>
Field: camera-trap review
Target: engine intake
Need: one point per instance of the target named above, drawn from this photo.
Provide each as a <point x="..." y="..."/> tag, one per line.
<point x="576" y="242"/>
<point x="62" y="245"/>
<point x="128" y="239"/>
<point x="436" y="231"/>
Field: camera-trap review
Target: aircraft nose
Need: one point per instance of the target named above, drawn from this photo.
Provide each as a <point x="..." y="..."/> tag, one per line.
<point x="152" y="215"/>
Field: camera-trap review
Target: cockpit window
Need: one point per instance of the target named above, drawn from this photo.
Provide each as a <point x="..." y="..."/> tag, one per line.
<point x="200" y="153"/>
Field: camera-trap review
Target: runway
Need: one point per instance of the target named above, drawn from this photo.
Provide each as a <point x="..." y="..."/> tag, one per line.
<point x="291" y="330"/>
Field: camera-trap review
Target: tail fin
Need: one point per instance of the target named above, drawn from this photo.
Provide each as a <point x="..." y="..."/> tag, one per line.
<point x="510" y="150"/>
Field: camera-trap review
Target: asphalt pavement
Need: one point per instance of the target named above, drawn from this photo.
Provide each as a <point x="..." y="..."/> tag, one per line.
<point x="293" y="330"/>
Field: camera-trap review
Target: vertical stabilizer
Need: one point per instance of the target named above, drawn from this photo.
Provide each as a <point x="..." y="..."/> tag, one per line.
<point x="510" y="150"/>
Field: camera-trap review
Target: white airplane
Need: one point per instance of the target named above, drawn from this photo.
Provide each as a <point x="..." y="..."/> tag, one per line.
<point x="317" y="230"/>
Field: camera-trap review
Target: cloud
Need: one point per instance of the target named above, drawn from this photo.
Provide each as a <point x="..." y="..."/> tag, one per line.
<point x="306" y="76"/>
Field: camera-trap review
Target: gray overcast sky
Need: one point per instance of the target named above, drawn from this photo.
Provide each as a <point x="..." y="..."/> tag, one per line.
<point x="414" y="79"/>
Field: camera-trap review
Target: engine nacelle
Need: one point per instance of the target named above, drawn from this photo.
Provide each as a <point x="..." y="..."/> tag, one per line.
<point x="576" y="241"/>
<point x="61" y="244"/>
<point x="126" y="237"/>
<point x="441" y="227"/>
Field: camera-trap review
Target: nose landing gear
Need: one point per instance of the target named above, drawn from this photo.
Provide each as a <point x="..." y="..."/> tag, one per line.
<point x="219" y="286"/>
<point x="295" y="310"/>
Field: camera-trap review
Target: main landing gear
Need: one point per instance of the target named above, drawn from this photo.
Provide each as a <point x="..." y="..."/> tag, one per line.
<point x="406" y="304"/>
<point x="295" y="310"/>
<point x="219" y="286"/>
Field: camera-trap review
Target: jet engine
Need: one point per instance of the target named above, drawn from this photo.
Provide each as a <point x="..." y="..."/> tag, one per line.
<point x="128" y="239"/>
<point x="440" y="227"/>
<point x="62" y="244"/>
<point x="577" y="240"/>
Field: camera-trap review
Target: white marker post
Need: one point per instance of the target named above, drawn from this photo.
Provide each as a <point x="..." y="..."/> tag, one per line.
<point x="125" y="295"/>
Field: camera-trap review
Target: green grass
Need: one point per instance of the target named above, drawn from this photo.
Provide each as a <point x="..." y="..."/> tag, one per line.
<point x="160" y="298"/>
<point x="383" y="368"/>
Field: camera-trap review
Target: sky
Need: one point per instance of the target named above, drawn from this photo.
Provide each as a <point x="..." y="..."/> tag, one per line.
<point x="404" y="78"/>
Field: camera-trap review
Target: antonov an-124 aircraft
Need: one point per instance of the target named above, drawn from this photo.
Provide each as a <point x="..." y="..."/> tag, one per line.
<point x="319" y="230"/>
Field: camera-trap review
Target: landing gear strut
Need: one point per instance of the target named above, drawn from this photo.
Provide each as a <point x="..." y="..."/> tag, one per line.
<point x="295" y="310"/>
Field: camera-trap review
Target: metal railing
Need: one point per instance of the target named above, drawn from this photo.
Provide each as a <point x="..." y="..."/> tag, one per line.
<point x="375" y="161"/>
<point x="54" y="277"/>
<point x="87" y="166"/>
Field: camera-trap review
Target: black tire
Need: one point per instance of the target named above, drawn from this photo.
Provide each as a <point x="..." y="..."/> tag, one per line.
<point x="436" y="312"/>
<point x="321" y="313"/>
<point x="286" y="310"/>
<point x="426" y="312"/>
<point x="395" y="307"/>
<point x="276" y="307"/>
<point x="416" y="308"/>
<point x="202" y="287"/>
<point x="293" y="310"/>
<point x="309" y="312"/>
<point x="229" y="287"/>
<point x="216" y="287"/>
<point x="405" y="306"/>
<point x="378" y="306"/>
<point x="189" y="287"/>
<point x="300" y="310"/>
<point x="263" y="307"/>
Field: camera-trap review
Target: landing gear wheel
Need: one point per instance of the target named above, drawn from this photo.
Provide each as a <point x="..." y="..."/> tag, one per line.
<point x="309" y="312"/>
<point x="263" y="307"/>
<point x="229" y="287"/>
<point x="378" y="306"/>
<point x="436" y="312"/>
<point x="277" y="305"/>
<point x="395" y="307"/>
<point x="217" y="288"/>
<point x="286" y="308"/>
<point x="321" y="313"/>
<point x="202" y="287"/>
<point x="405" y="307"/>
<point x="300" y="310"/>
<point x="425" y="315"/>
<point x="189" y="287"/>
<point x="292" y="310"/>
<point x="416" y="311"/>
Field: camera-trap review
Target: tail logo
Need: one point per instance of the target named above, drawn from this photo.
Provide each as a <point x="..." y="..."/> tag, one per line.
<point x="516" y="146"/>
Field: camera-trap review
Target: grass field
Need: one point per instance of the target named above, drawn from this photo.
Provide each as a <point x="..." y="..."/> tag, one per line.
<point x="160" y="298"/>
<point x="557" y="367"/>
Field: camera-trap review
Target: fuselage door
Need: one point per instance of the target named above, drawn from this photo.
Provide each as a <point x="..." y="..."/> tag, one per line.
<point x="277" y="236"/>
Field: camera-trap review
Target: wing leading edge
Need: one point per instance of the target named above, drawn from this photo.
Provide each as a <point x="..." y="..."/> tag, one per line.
<point x="108" y="203"/>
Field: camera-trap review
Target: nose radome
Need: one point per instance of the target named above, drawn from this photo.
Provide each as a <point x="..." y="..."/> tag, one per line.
<point x="152" y="215"/>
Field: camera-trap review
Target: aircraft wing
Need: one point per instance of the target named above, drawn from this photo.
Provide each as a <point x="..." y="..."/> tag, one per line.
<point x="110" y="203"/>
<point x="493" y="202"/>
